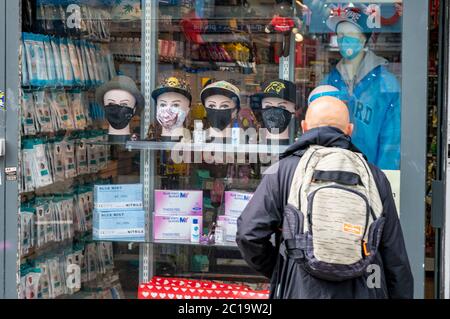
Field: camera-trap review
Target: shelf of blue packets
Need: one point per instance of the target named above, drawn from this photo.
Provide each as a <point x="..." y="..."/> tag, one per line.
<point x="119" y="213"/>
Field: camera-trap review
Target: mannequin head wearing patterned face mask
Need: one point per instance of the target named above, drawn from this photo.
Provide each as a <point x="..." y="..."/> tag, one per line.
<point x="171" y="111"/>
<point x="173" y="100"/>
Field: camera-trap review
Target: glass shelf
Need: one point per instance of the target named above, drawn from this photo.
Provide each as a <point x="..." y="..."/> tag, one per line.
<point x="229" y="244"/>
<point x="206" y="147"/>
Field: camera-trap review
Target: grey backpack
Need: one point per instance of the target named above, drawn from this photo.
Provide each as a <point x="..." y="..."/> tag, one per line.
<point x="333" y="221"/>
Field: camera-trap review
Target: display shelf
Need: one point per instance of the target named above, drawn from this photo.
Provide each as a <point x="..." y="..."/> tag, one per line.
<point x="229" y="244"/>
<point x="225" y="277"/>
<point x="206" y="147"/>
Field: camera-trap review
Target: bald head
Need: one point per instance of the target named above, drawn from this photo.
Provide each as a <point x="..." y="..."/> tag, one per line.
<point x="328" y="111"/>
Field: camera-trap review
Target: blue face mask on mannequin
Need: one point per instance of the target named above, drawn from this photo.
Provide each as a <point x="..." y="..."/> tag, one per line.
<point x="350" y="47"/>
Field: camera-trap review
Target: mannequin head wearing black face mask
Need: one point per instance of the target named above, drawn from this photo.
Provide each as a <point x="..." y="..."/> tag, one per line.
<point x="119" y="110"/>
<point x="277" y="116"/>
<point x="118" y="116"/>
<point x="221" y="101"/>
<point x="277" y="101"/>
<point x="121" y="100"/>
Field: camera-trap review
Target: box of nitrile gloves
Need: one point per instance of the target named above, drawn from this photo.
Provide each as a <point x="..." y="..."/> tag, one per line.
<point x="126" y="196"/>
<point x="119" y="225"/>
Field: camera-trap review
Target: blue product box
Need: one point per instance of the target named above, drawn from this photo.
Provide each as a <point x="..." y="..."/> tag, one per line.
<point x="119" y="225"/>
<point x="126" y="196"/>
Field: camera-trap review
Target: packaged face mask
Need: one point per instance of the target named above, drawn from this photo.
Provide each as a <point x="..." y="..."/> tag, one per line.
<point x="27" y="229"/>
<point x="41" y="226"/>
<point x="95" y="64"/>
<point x="80" y="216"/>
<point x="70" y="169"/>
<point x="92" y="153"/>
<point x="74" y="62"/>
<point x="44" y="283"/>
<point x="83" y="66"/>
<point x="35" y="56"/>
<point x="50" y="62"/>
<point x="91" y="262"/>
<point x="50" y="222"/>
<point x="65" y="61"/>
<point x="88" y="61"/>
<point x="27" y="170"/>
<point x="58" y="161"/>
<point x="81" y="154"/>
<point x="67" y="216"/>
<point x="57" y="62"/>
<point x="43" y="115"/>
<point x="32" y="285"/>
<point x="75" y="102"/>
<point x="55" y="277"/>
<point x="40" y="166"/>
<point x="28" y="114"/>
<point x="25" y="78"/>
<point x="65" y="114"/>
<point x="56" y="219"/>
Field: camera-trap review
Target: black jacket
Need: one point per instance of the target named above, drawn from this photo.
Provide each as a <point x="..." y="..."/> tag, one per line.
<point x="263" y="218"/>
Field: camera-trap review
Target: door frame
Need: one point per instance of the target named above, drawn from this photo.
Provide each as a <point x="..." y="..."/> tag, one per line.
<point x="9" y="228"/>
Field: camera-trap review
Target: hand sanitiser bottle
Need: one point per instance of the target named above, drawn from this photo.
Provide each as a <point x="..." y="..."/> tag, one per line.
<point x="235" y="134"/>
<point x="195" y="230"/>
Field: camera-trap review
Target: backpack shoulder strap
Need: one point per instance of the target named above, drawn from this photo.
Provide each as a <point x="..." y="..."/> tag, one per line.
<point x="298" y="179"/>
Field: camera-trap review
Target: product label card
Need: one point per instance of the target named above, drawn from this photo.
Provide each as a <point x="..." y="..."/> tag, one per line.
<point x="235" y="203"/>
<point x="169" y="202"/>
<point x="174" y="227"/>
<point x="128" y="196"/>
<point x="119" y="225"/>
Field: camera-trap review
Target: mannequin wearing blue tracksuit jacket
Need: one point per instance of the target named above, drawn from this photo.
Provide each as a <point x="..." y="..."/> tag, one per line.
<point x="374" y="103"/>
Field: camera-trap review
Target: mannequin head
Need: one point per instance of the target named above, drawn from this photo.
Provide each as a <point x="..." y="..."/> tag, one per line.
<point x="172" y="109"/>
<point x="119" y="108"/>
<point x="122" y="100"/>
<point x="173" y="101"/>
<point x="278" y="104"/>
<point x="221" y="110"/>
<point x="328" y="111"/>
<point x="222" y="102"/>
<point x="351" y="40"/>
<point x="277" y="114"/>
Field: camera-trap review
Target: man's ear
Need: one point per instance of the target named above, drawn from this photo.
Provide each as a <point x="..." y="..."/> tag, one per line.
<point x="349" y="130"/>
<point x="304" y="126"/>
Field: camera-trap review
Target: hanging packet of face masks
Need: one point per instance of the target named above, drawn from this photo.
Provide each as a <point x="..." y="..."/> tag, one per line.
<point x="50" y="62"/>
<point x="60" y="107"/>
<point x="81" y="155"/>
<point x="57" y="63"/>
<point x="35" y="59"/>
<point x="74" y="62"/>
<point x="27" y="169"/>
<point x="28" y="114"/>
<point x="42" y="110"/>
<point x="40" y="165"/>
<point x="58" y="154"/>
<point x="76" y="105"/>
<point x="68" y="73"/>
<point x="70" y="169"/>
<point x="84" y="66"/>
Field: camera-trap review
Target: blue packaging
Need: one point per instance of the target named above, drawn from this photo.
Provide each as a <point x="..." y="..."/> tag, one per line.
<point x="126" y="196"/>
<point x="36" y="61"/>
<point x="119" y="225"/>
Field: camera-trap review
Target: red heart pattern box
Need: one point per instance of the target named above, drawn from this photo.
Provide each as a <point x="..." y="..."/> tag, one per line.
<point x="174" y="288"/>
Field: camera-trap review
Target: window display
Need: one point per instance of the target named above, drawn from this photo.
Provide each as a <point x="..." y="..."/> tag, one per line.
<point x="148" y="125"/>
